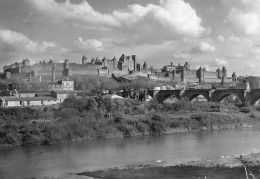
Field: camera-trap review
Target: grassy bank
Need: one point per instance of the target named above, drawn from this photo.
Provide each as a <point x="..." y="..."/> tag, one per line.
<point x="78" y="119"/>
<point x="224" y="167"/>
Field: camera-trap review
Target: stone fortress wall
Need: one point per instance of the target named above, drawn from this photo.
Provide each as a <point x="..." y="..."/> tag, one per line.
<point x="43" y="70"/>
<point x="51" y="71"/>
<point x="184" y="74"/>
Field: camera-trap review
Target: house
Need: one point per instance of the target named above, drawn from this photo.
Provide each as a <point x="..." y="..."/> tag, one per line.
<point x="27" y="101"/>
<point x="61" y="95"/>
<point x="34" y="98"/>
<point x="62" y="85"/>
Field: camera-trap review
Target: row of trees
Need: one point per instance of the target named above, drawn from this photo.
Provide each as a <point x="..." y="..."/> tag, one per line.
<point x="87" y="118"/>
<point x="96" y="83"/>
<point x="91" y="83"/>
<point x="21" y="84"/>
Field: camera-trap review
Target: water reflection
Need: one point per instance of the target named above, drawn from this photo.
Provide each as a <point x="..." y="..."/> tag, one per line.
<point x="61" y="159"/>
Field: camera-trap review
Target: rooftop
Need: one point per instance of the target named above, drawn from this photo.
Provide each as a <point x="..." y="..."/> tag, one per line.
<point x="27" y="98"/>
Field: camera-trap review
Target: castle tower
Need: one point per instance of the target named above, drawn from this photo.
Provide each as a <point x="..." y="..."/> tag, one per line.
<point x="53" y="73"/>
<point x="218" y="73"/>
<point x="104" y="62"/>
<point x="134" y="59"/>
<point x="187" y="65"/>
<point x="224" y="72"/>
<point x="19" y="69"/>
<point x="174" y="73"/>
<point x="7" y="75"/>
<point x="84" y="60"/>
<point x="68" y="72"/>
<point x="66" y="64"/>
<point x="234" y="77"/>
<point x="183" y="74"/>
<point x="145" y="66"/>
<point x="138" y="67"/>
<point x="26" y="62"/>
<point x="115" y="62"/>
<point x="223" y="80"/>
<point x="93" y="61"/>
<point x="201" y="75"/>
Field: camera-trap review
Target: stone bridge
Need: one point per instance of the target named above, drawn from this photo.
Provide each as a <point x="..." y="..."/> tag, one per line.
<point x="212" y="95"/>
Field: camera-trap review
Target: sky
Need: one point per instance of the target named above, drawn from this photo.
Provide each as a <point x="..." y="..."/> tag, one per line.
<point x="207" y="33"/>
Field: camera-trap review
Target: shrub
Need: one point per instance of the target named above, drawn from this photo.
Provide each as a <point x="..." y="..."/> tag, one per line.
<point x="157" y="124"/>
<point x="66" y="113"/>
<point x="245" y="109"/>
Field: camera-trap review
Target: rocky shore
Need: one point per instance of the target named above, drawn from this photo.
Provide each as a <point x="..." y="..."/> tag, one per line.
<point x="224" y="167"/>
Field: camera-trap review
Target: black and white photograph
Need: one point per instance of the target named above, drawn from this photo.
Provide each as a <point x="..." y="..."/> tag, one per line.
<point x="130" y="89"/>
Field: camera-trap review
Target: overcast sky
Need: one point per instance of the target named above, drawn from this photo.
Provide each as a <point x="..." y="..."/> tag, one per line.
<point x="210" y="33"/>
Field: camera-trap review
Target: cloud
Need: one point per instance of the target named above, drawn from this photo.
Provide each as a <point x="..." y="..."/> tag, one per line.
<point x="178" y="17"/>
<point x="202" y="47"/>
<point x="20" y="41"/>
<point x="236" y="55"/>
<point x="221" y="62"/>
<point x="89" y="44"/>
<point x="221" y="38"/>
<point x="170" y="19"/>
<point x="67" y="10"/>
<point x="181" y="56"/>
<point x="245" y="21"/>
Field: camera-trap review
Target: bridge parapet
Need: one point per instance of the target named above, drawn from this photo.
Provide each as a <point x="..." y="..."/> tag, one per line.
<point x="213" y="95"/>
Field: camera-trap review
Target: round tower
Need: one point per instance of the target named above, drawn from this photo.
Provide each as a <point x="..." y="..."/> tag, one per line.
<point x="84" y="60"/>
<point x="224" y="72"/>
<point x="7" y="75"/>
<point x="174" y="73"/>
<point x="68" y="72"/>
<point x="66" y="64"/>
<point x="201" y="75"/>
<point x="187" y="65"/>
<point x="93" y="61"/>
<point x="115" y="62"/>
<point x="104" y="62"/>
<point x="145" y="66"/>
<point x="218" y="73"/>
<point x="53" y="73"/>
<point x="234" y="77"/>
<point x="19" y="69"/>
<point x="183" y="74"/>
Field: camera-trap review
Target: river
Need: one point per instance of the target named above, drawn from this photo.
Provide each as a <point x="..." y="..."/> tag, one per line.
<point x="62" y="160"/>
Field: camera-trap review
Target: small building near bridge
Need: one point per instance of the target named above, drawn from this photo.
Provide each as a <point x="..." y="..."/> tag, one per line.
<point x="27" y="101"/>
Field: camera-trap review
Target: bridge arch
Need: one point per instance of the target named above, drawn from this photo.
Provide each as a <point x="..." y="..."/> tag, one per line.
<point x="162" y="95"/>
<point x="219" y="95"/>
<point x="254" y="101"/>
<point x="169" y="96"/>
<point x="196" y="96"/>
<point x="192" y="94"/>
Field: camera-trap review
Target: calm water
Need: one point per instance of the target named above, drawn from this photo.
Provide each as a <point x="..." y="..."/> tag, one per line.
<point x="62" y="160"/>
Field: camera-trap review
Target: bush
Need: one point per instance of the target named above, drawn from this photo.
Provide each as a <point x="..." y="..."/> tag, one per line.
<point x="257" y="107"/>
<point x="67" y="113"/>
<point x="157" y="124"/>
<point x="245" y="109"/>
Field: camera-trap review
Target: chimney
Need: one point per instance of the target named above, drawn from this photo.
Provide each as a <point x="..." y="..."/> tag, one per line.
<point x="53" y="73"/>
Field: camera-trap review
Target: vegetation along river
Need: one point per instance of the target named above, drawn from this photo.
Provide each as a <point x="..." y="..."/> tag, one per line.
<point x="63" y="160"/>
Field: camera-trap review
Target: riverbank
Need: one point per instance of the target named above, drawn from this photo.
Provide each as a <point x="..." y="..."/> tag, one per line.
<point x="223" y="167"/>
<point x="89" y="118"/>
